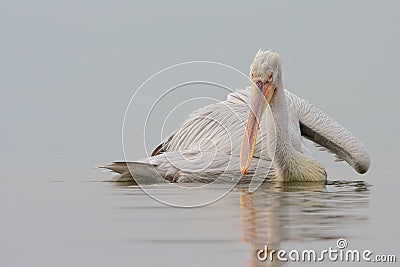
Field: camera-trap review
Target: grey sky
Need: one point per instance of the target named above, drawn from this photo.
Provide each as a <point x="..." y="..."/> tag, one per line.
<point x="69" y="68"/>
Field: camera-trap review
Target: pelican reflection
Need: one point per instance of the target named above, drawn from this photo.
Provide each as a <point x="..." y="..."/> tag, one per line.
<point x="280" y="214"/>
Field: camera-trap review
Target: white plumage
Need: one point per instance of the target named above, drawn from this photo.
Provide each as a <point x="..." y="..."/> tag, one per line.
<point x="209" y="141"/>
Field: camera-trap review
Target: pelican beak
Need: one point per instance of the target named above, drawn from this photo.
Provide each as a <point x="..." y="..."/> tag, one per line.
<point x="262" y="93"/>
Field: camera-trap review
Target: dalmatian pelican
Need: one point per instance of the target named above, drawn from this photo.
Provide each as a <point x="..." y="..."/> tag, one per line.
<point x="241" y="136"/>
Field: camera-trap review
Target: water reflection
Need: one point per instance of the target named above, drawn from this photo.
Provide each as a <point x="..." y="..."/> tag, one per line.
<point x="301" y="212"/>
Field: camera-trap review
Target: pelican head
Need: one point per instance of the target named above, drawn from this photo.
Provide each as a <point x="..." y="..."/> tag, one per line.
<point x="265" y="76"/>
<point x="266" y="66"/>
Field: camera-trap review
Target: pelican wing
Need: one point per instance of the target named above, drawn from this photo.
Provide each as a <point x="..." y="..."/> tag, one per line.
<point x="188" y="166"/>
<point x="161" y="148"/>
<point x="219" y="127"/>
<point x="325" y="132"/>
<point x="216" y="127"/>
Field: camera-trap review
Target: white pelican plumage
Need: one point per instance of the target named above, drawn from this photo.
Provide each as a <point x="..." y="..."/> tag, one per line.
<point x="215" y="139"/>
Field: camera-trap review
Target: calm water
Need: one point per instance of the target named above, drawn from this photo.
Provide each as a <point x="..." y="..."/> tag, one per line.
<point x="102" y="223"/>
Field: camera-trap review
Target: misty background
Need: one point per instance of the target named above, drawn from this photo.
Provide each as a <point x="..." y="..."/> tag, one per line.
<point x="69" y="68"/>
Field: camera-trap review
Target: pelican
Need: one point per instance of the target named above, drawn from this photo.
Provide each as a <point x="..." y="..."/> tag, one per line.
<point x="240" y="136"/>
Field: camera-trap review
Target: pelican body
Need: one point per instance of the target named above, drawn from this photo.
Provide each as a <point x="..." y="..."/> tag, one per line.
<point x="241" y="136"/>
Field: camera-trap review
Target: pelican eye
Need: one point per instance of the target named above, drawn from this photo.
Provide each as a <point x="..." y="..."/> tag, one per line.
<point x="259" y="85"/>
